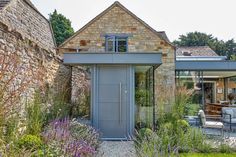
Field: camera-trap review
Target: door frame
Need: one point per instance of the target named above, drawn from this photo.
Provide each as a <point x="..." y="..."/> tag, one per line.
<point x="130" y="104"/>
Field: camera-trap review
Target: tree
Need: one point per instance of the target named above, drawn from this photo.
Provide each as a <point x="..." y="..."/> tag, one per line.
<point x="194" y="39"/>
<point x="230" y="48"/>
<point x="61" y="27"/>
<point x="221" y="47"/>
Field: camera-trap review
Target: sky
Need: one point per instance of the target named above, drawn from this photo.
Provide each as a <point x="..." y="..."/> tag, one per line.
<point x="175" y="17"/>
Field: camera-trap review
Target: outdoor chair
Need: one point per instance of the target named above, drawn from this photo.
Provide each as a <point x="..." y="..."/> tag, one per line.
<point x="211" y="124"/>
<point x="229" y="116"/>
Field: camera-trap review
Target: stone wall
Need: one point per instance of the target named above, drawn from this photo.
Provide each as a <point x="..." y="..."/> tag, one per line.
<point x="165" y="82"/>
<point x="25" y="19"/>
<point x="36" y="68"/>
<point x="80" y="82"/>
<point x="27" y="43"/>
<point x="142" y="39"/>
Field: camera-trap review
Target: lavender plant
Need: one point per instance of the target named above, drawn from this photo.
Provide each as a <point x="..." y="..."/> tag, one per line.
<point x="84" y="132"/>
<point x="59" y="138"/>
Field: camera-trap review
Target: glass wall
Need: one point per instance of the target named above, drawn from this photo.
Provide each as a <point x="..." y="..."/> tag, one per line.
<point x="144" y="97"/>
<point x="210" y="90"/>
<point x="219" y="85"/>
<point x="192" y="83"/>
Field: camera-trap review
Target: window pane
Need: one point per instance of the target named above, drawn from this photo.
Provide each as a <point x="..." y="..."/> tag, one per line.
<point x="190" y="82"/>
<point x="110" y="44"/>
<point x="144" y="92"/>
<point x="122" y="44"/>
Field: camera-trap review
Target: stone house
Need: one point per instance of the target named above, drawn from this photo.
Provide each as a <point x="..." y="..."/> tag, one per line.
<point x="128" y="69"/>
<point x="148" y="68"/>
<point x="135" y="69"/>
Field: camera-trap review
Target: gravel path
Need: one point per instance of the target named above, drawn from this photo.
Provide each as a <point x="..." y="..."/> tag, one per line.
<point x="116" y="149"/>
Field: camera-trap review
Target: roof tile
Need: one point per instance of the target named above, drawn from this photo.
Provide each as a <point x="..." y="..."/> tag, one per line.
<point x="195" y="51"/>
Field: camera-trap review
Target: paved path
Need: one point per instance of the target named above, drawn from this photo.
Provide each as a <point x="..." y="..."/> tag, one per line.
<point x="116" y="149"/>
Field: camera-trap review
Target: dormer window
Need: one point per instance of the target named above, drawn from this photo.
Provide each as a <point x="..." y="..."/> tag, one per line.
<point x="115" y="43"/>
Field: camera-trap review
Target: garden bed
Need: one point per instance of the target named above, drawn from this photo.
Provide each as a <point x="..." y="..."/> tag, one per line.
<point x="46" y="130"/>
<point x="175" y="137"/>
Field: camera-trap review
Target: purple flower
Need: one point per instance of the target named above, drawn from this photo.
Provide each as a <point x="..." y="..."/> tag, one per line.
<point x="58" y="132"/>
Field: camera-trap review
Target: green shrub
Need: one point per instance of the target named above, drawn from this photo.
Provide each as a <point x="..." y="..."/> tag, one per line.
<point x="183" y="124"/>
<point x="195" y="138"/>
<point x="82" y="108"/>
<point x="10" y="129"/>
<point x="59" y="108"/>
<point x="30" y="142"/>
<point x="192" y="109"/>
<point x="47" y="151"/>
<point x="224" y="148"/>
<point x="139" y="125"/>
<point x="35" y="116"/>
<point x="167" y="126"/>
<point x="204" y="148"/>
<point x="141" y="96"/>
<point x="145" y="132"/>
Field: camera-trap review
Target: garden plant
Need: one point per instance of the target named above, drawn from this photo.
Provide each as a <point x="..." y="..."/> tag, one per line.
<point x="174" y="136"/>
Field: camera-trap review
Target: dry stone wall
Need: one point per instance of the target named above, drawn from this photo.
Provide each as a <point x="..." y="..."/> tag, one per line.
<point x="23" y="18"/>
<point x="39" y="67"/>
<point x="80" y="82"/>
<point x="26" y="38"/>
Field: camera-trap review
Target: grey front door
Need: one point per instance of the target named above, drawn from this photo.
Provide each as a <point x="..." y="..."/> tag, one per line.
<point x="112" y="100"/>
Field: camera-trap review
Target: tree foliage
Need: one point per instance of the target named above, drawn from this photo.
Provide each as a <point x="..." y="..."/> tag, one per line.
<point x="222" y="48"/>
<point x="61" y="27"/>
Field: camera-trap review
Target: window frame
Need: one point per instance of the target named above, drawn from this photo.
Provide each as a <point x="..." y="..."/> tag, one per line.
<point x="115" y="42"/>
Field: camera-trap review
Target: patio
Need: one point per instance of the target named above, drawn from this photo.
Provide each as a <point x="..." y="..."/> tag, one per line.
<point x="228" y="134"/>
<point x="212" y="86"/>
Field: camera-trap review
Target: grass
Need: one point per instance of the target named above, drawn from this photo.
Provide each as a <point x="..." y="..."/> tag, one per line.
<point x="207" y="155"/>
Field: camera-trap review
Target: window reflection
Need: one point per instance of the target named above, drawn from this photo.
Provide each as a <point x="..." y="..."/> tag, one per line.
<point x="212" y="89"/>
<point x="144" y="97"/>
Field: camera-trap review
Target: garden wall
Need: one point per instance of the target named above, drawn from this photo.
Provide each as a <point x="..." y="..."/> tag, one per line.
<point x="34" y="67"/>
<point x="28" y="54"/>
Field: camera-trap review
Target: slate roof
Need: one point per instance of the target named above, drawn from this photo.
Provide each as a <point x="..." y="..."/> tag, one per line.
<point x="3" y="3"/>
<point x="195" y="51"/>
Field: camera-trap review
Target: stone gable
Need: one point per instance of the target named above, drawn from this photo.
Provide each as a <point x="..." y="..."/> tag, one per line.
<point x="117" y="20"/>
